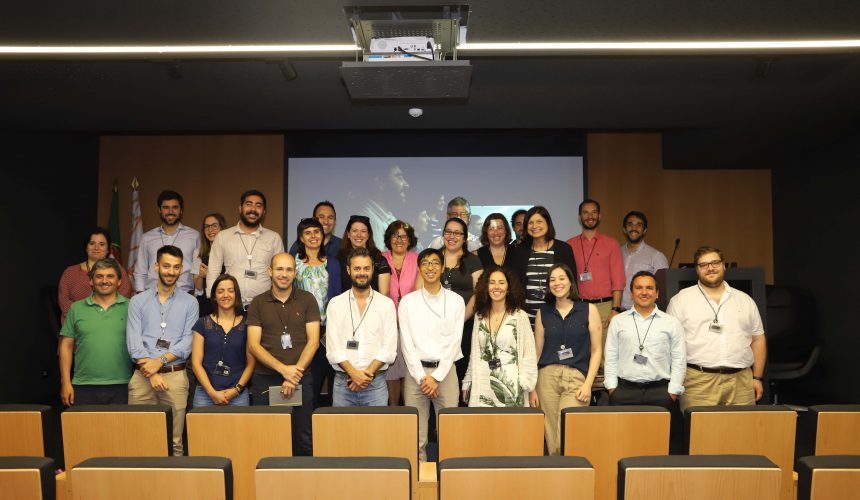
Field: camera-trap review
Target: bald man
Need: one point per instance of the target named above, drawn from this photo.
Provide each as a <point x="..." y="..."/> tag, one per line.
<point x="284" y="334"/>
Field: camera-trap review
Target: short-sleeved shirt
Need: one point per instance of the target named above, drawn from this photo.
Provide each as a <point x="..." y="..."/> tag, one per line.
<point x="273" y="316"/>
<point x="461" y="282"/>
<point x="101" y="354"/>
<point x="227" y="347"/>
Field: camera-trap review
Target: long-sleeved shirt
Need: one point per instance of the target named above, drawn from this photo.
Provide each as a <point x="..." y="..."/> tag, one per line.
<point x="375" y="331"/>
<point x="662" y="337"/>
<point x="143" y="328"/>
<point x="738" y="315"/>
<point x="431" y="328"/>
<point x="645" y="258"/>
<point x="232" y="247"/>
<point x="184" y="238"/>
<point x="601" y="256"/>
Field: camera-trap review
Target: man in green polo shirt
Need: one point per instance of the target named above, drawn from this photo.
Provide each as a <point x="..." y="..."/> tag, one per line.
<point x="94" y="335"/>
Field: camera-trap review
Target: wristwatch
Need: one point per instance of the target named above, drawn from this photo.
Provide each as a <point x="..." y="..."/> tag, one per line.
<point x="760" y="379"/>
<point x="239" y="388"/>
<point x="164" y="360"/>
<point x="618" y="309"/>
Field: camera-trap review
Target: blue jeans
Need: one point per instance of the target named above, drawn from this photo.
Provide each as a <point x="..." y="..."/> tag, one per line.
<point x="203" y="399"/>
<point x="375" y="394"/>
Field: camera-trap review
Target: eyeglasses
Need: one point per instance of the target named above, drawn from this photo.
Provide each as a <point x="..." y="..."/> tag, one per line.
<point x="430" y="264"/>
<point x="453" y="233"/>
<point x="400" y="237"/>
<point x="461" y="215"/>
<point x="214" y="225"/>
<point x="713" y="263"/>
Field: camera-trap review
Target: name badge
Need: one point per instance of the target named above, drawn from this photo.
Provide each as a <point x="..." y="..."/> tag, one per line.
<point x="286" y="341"/>
<point x="715" y="327"/>
<point x="586" y="276"/>
<point x="495" y="364"/>
<point x="638" y="358"/>
<point x="162" y="344"/>
<point x="222" y="369"/>
<point x="565" y="354"/>
<point x="352" y="344"/>
<point x="250" y="274"/>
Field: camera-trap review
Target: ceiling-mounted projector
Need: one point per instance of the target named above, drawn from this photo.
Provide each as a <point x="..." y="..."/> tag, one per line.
<point x="408" y="52"/>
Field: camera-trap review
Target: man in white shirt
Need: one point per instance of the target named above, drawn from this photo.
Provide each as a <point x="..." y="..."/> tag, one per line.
<point x="170" y="232"/>
<point x="645" y="360"/>
<point x="638" y="255"/>
<point x="361" y="337"/>
<point x="431" y="326"/>
<point x="726" y="348"/>
<point x="247" y="249"/>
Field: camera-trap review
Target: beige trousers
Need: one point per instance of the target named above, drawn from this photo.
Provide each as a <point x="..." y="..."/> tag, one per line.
<point x="140" y="392"/>
<point x="713" y="389"/>
<point x="557" y="386"/>
<point x="449" y="391"/>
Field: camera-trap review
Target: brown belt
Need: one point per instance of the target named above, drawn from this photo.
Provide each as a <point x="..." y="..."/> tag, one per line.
<point x="167" y="369"/>
<point x="719" y="369"/>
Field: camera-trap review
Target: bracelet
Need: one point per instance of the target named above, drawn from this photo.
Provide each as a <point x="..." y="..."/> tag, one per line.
<point x="760" y="379"/>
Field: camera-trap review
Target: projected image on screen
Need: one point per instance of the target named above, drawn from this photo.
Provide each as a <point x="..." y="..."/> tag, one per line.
<point x="417" y="190"/>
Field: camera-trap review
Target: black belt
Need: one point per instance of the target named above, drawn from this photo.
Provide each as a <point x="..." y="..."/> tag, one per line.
<point x="375" y="375"/>
<point x="643" y="385"/>
<point x="430" y="364"/>
<point x="167" y="369"/>
<point x="597" y="301"/>
<point x="724" y="370"/>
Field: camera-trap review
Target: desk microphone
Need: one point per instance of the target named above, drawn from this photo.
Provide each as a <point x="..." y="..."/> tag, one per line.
<point x="677" y="244"/>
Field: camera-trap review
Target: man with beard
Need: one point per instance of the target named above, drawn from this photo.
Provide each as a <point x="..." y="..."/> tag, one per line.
<point x="94" y="337"/>
<point x="158" y="337"/>
<point x="638" y="255"/>
<point x="284" y="334"/>
<point x="517" y="224"/>
<point x="390" y="196"/>
<point x="599" y="268"/>
<point x="726" y="348"/>
<point x="170" y="232"/>
<point x="324" y="212"/>
<point x="431" y="327"/>
<point x="246" y="250"/>
<point x="361" y="337"/>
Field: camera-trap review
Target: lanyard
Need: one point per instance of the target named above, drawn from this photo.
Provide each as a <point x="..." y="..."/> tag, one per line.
<point x="717" y="310"/>
<point x="175" y="236"/>
<point x="542" y="281"/>
<point x="278" y="313"/>
<point x="581" y="237"/>
<point x="361" y="319"/>
<point x="444" y="303"/>
<point x="250" y="253"/>
<point x="492" y="340"/>
<point x="642" y="340"/>
<point x="164" y="312"/>
<point x="224" y="344"/>
<point x="563" y="326"/>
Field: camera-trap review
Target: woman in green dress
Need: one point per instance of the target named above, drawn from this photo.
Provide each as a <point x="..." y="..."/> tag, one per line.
<point x="502" y="363"/>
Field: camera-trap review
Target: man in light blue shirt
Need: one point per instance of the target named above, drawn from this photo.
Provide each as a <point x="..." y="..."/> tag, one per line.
<point x="170" y="232"/>
<point x="645" y="353"/>
<point x="158" y="337"/>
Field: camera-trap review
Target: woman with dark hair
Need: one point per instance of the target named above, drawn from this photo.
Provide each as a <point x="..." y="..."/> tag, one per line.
<point x="497" y="249"/>
<point x="212" y="224"/>
<point x="358" y="233"/>
<point x="568" y="336"/>
<point x="533" y="257"/>
<point x="502" y="365"/>
<point x="400" y="240"/>
<point x="75" y="281"/>
<point x="221" y="362"/>
<point x="460" y="274"/>
<point x="318" y="274"/>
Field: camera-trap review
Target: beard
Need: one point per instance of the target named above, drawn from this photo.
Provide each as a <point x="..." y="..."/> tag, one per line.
<point x="361" y="286"/>
<point x="635" y="240"/>
<point x="248" y="223"/>
<point x="177" y="221"/>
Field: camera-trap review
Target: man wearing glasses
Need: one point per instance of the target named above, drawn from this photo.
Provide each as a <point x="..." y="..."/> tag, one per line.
<point x="459" y="207"/>
<point x="431" y="327"/>
<point x="726" y="347"/>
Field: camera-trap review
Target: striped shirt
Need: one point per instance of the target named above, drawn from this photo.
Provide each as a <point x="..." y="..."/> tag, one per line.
<point x="537" y="270"/>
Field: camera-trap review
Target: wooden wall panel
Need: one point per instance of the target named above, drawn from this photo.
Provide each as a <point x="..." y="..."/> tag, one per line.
<point x="210" y="172"/>
<point x="728" y="209"/>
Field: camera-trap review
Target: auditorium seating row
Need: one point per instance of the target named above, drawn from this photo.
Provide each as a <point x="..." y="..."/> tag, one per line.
<point x="605" y="436"/>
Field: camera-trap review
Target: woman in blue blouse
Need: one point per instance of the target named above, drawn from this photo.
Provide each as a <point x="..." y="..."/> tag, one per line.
<point x="219" y="357"/>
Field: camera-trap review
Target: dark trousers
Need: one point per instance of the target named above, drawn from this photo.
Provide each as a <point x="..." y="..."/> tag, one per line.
<point x="111" y="394"/>
<point x="652" y="394"/>
<point x="301" y="418"/>
<point x="321" y="370"/>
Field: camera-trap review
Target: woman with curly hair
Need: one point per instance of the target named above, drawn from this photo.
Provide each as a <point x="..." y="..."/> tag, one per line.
<point x="502" y="364"/>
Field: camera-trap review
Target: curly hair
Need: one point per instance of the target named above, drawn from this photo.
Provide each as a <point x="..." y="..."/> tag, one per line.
<point x="395" y="226"/>
<point x="514" y="299"/>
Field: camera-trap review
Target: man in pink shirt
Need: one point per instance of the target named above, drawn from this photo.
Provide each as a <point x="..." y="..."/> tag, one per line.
<point x="599" y="266"/>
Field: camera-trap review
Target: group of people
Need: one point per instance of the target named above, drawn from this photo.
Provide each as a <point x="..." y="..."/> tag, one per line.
<point x="509" y="318"/>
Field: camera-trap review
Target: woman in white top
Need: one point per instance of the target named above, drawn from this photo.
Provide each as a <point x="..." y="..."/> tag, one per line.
<point x="502" y="363"/>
